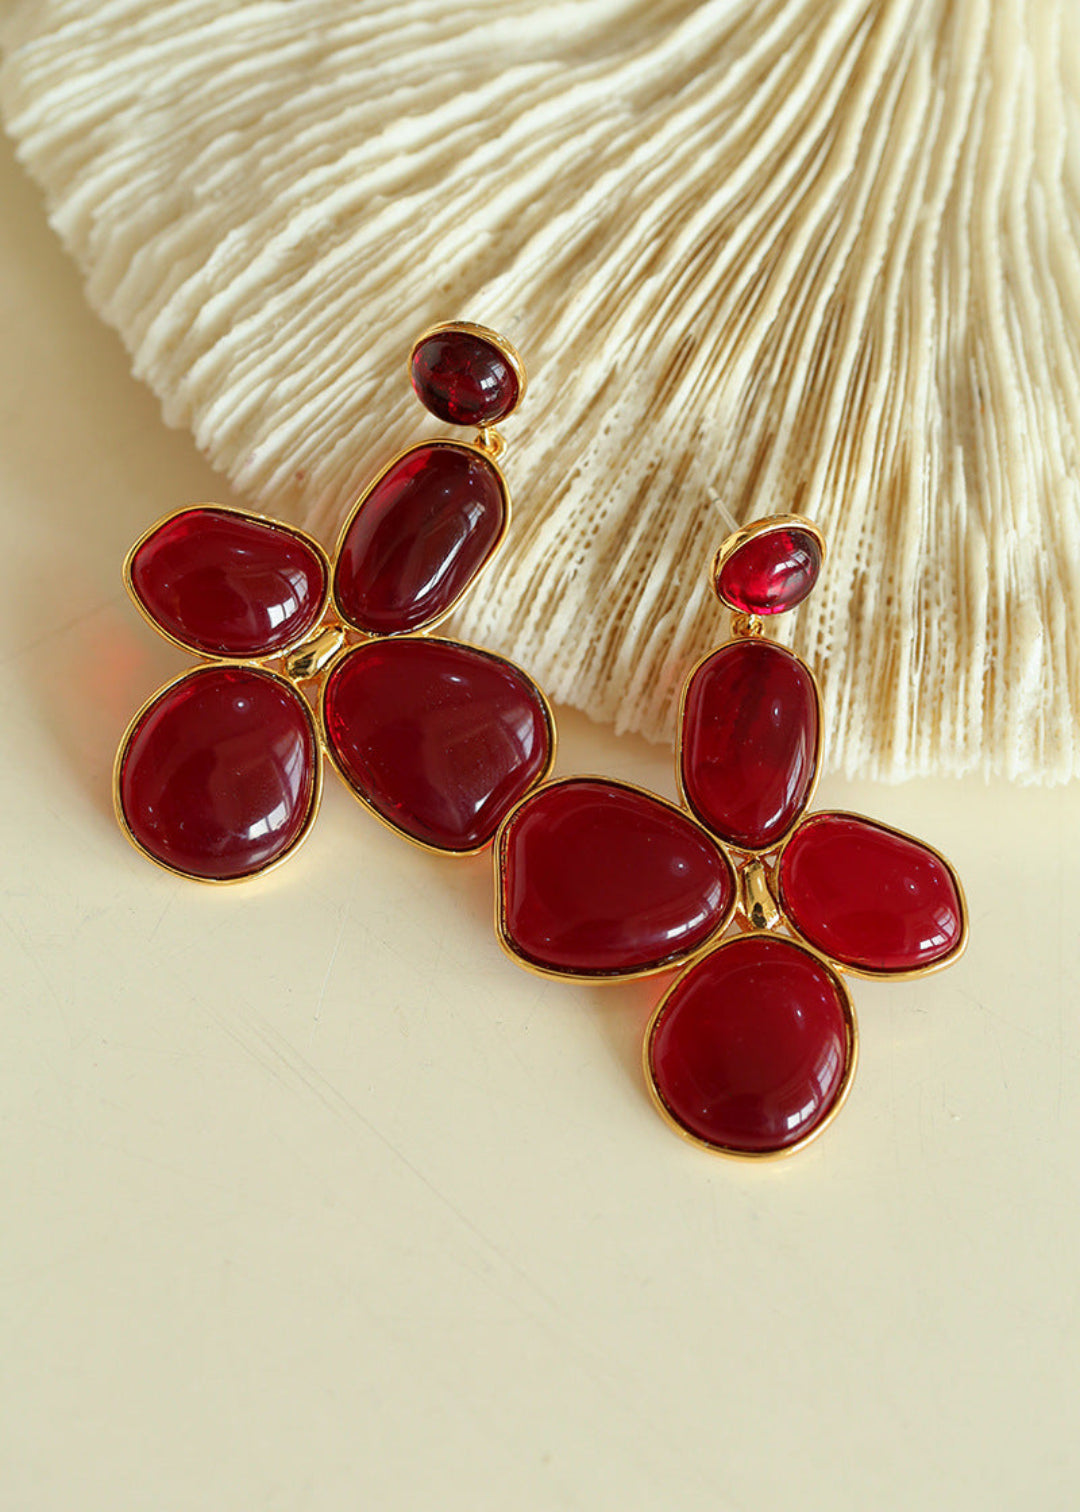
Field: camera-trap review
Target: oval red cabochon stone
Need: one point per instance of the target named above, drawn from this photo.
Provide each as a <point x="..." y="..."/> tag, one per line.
<point x="600" y="879"/>
<point x="418" y="537"/>
<point x="750" y="739"/>
<point x="439" y="738"/>
<point x="869" y="896"/>
<point x="228" y="584"/>
<point x="219" y="775"/>
<point x="750" y="1050"/>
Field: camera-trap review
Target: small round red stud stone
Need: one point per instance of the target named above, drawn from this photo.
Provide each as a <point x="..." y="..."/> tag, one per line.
<point x="440" y="739"/>
<point x="753" y="1048"/>
<point x="870" y="897"/>
<point x="464" y="376"/>
<point x="218" y="777"/>
<point x="749" y="748"/>
<point x="600" y="879"/>
<point x="225" y="583"/>
<point x="771" y="571"/>
<point x="418" y="537"/>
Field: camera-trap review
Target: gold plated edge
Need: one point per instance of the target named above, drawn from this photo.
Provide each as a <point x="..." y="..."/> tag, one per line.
<point x="389" y="824"/>
<point x="470" y="328"/>
<point x="681" y="959"/>
<point x="469" y="585"/>
<point x="316" y="787"/>
<point x="738" y="538"/>
<point x="684" y="797"/>
<point x="881" y="975"/>
<point x="244" y="514"/>
<point x="851" y="1062"/>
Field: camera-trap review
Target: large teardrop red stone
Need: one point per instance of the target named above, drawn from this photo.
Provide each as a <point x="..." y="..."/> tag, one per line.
<point x="598" y="879"/>
<point x="750" y="736"/>
<point x="869" y="896"/>
<point x="752" y="1047"/>
<point x="218" y="777"/>
<point x="229" y="584"/>
<point x="438" y="738"/>
<point x="418" y="537"/>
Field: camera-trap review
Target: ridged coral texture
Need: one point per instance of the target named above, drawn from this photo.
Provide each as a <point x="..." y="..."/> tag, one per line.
<point x="778" y="255"/>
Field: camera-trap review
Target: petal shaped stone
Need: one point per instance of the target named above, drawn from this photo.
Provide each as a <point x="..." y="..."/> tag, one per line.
<point x="753" y="1048"/>
<point x="463" y="377"/>
<point x="771" y="571"/>
<point x="219" y="776"/>
<point x="224" y="583"/>
<point x="870" y="897"/>
<point x="440" y="739"/>
<point x="418" y="537"/>
<point x="600" y="879"/>
<point x="750" y="734"/>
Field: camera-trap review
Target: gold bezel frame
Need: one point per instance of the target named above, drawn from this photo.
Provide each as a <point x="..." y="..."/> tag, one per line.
<point x="871" y="973"/>
<point x="485" y="333"/>
<point x="223" y="657"/>
<point x="439" y="640"/>
<point x="848" y="1076"/>
<point x="766" y="526"/>
<point x="478" y="572"/>
<point x="680" y="959"/>
<point x="684" y="797"/>
<point x="316" y="788"/>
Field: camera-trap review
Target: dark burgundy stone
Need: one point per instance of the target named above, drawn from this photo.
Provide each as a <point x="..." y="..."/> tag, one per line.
<point x="599" y="879"/>
<point x="463" y="378"/>
<point x="218" y="777"/>
<point x="749" y="742"/>
<point x="418" y="537"/>
<point x="440" y="739"/>
<point x="228" y="584"/>
<point x="749" y="1050"/>
<point x="868" y="896"/>
<point x="771" y="572"/>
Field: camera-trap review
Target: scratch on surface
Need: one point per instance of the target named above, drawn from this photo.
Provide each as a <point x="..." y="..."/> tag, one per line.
<point x="316" y="1015"/>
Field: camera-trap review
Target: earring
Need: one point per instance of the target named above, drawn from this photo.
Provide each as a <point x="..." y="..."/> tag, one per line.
<point x="751" y="1052"/>
<point x="218" y="777"/>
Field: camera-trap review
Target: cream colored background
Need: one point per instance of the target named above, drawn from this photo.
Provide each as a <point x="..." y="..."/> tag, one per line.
<point x="313" y="1201"/>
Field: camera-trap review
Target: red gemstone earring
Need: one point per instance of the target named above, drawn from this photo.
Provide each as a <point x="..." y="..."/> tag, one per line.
<point x="218" y="776"/>
<point x="752" y="1050"/>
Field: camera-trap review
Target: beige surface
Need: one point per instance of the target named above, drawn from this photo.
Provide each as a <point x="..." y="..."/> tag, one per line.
<point x="313" y="1201"/>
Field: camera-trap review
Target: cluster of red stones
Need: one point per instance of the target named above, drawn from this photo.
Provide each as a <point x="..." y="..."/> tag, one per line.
<point x="753" y="1048"/>
<point x="219" y="776"/>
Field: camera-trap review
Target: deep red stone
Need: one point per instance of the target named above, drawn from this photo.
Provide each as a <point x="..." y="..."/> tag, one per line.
<point x="229" y="584"/>
<point x="868" y="896"/>
<point x="218" y="777"/>
<point x="771" y="572"/>
<point x="463" y="378"/>
<point x="598" y="879"/>
<point x="440" y="739"/>
<point x="749" y="1050"/>
<point x="749" y="742"/>
<point x="418" y="537"/>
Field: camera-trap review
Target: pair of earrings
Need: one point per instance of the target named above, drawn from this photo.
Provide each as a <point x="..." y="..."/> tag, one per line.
<point x="751" y="1052"/>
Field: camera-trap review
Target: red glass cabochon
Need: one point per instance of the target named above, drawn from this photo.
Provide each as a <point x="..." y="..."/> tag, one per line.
<point x="750" y="742"/>
<point x="441" y="739"/>
<point x="753" y="1047"/>
<point x="600" y="879"/>
<point x="418" y="537"/>
<point x="870" y="897"/>
<point x="219" y="775"/>
<point x="771" y="571"/>
<point x="228" y="584"/>
<point x="464" y="378"/>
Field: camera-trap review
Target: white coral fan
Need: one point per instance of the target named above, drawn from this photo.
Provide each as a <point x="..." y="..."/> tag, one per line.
<point x="767" y="256"/>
